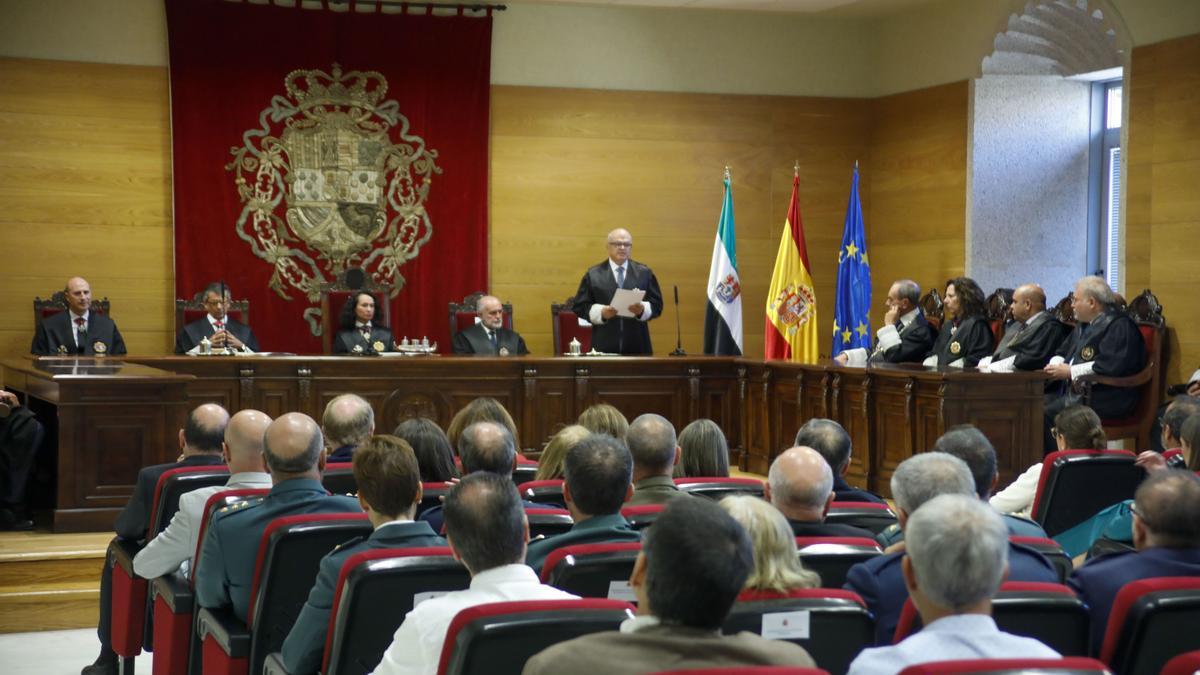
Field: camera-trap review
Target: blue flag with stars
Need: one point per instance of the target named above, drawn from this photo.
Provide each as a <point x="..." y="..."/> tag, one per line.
<point x="851" y="324"/>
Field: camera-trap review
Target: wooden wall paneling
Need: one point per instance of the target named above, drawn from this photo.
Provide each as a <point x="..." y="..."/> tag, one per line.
<point x="856" y="419"/>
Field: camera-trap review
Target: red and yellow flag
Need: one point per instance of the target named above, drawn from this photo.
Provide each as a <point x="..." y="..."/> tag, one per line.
<point x="791" y="330"/>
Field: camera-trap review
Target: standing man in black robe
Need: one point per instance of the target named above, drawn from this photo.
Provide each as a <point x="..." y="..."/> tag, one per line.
<point x="905" y="336"/>
<point x="593" y="301"/>
<point x="1032" y="337"/>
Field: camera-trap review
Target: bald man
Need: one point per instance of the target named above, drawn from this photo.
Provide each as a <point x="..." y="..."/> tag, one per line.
<point x="619" y="330"/>
<point x="800" y="486"/>
<point x="348" y="421"/>
<point x="78" y="330"/>
<point x="294" y="450"/>
<point x="243" y="452"/>
<point x="489" y="337"/>
<point x="1031" y="338"/>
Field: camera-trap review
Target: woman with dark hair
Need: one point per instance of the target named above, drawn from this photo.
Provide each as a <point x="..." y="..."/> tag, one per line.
<point x="482" y="409"/>
<point x="429" y="442"/>
<point x="703" y="451"/>
<point x="1075" y="428"/>
<point x="966" y="335"/>
<point x="357" y="331"/>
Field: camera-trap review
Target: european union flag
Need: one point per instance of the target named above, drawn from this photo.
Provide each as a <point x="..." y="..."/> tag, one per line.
<point x="851" y="325"/>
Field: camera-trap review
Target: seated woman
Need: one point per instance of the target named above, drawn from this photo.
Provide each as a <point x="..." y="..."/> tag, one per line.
<point x="966" y="338"/>
<point x="482" y="409"/>
<point x="550" y="464"/>
<point x="777" y="567"/>
<point x="1075" y="428"/>
<point x="357" y="332"/>
<point x="705" y="453"/>
<point x="435" y="459"/>
<point x="603" y="418"/>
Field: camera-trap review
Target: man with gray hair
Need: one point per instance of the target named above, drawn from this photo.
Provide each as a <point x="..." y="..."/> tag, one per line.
<point x="831" y="440"/>
<point x="655" y="450"/>
<point x="905" y="337"/>
<point x="957" y="555"/>
<point x="917" y="480"/>
<point x="489" y="337"/>
<point x="348" y="421"/>
<point x="1106" y="341"/>
<point x="800" y="486"/>
<point x="294" y="450"/>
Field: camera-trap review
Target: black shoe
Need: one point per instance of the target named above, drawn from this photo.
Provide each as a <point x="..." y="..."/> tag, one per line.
<point x="10" y="521"/>
<point x="106" y="664"/>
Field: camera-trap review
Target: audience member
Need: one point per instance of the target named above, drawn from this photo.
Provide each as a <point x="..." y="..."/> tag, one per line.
<point x="655" y="452"/>
<point x="916" y="480"/>
<point x="432" y="448"/>
<point x="603" y="418"/>
<point x="957" y="555"/>
<point x="482" y="409"/>
<point x="1166" y="536"/>
<point x="968" y="443"/>
<point x="829" y="439"/>
<point x="293" y="447"/>
<point x="966" y="336"/>
<point x="1181" y="408"/>
<point x="487" y="530"/>
<point x="599" y="472"/>
<point x="347" y="422"/>
<point x="800" y="485"/>
<point x="1075" y="428"/>
<point x="704" y="452"/>
<point x="694" y="563"/>
<point x="777" y="567"/>
<point x="386" y="471"/>
<point x="21" y="435"/>
<point x="242" y="451"/>
<point x="550" y="464"/>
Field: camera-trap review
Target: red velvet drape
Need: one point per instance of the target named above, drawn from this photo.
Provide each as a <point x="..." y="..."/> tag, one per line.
<point x="228" y="60"/>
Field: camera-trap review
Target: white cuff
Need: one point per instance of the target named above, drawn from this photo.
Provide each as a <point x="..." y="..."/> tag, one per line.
<point x="1195" y="376"/>
<point x="984" y="363"/>
<point x="1080" y="369"/>
<point x="1056" y="360"/>
<point x="856" y="357"/>
<point x="1004" y="365"/>
<point x="930" y="361"/>
<point x="647" y="313"/>
<point x="888" y="337"/>
<point x="957" y="363"/>
<point x="594" y="314"/>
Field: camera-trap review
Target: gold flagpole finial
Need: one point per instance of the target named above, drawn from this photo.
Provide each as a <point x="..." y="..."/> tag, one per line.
<point x="856" y="165"/>
<point x="726" y="173"/>
<point x="796" y="168"/>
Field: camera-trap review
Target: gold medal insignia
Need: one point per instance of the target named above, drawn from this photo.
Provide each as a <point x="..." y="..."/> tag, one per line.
<point x="1087" y="353"/>
<point x="955" y="348"/>
<point x="358" y="349"/>
<point x="62" y="349"/>
<point x="99" y="347"/>
<point x="504" y="351"/>
<point x="378" y="346"/>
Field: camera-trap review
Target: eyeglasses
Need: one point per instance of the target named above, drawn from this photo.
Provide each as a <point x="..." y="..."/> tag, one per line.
<point x="1137" y="512"/>
<point x="621" y="244"/>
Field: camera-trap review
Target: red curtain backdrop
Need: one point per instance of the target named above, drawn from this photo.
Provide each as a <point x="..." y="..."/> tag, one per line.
<point x="228" y="60"/>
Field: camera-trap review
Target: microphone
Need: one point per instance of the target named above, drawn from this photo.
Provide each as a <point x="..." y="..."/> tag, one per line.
<point x="678" y="335"/>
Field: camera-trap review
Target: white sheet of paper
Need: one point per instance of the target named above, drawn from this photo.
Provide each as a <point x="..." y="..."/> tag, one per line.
<point x="624" y="297"/>
<point x="621" y="590"/>
<point x="786" y="625"/>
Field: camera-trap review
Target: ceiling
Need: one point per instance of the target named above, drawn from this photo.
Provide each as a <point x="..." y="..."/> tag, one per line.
<point x="837" y="8"/>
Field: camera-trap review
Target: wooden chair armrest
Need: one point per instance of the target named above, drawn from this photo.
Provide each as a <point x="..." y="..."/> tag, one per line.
<point x="1135" y="380"/>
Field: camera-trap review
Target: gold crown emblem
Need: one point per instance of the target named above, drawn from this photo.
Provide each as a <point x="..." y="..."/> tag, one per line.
<point x="312" y="88"/>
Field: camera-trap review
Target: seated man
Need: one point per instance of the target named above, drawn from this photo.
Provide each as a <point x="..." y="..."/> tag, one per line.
<point x="597" y="484"/>
<point x="77" y="330"/>
<point x="917" y="480"/>
<point x="970" y="445"/>
<point x="489" y="336"/>
<point x="905" y="336"/>
<point x="833" y="443"/>
<point x="655" y="450"/>
<point x="957" y="555"/>
<point x="800" y="485"/>
<point x="1106" y="342"/>
<point x="221" y="330"/>
<point x="487" y="530"/>
<point x="293" y="448"/>
<point x="242" y="451"/>
<point x="1031" y="338"/>
<point x="389" y="490"/>
<point x="1166" y="534"/>
<point x="348" y="421"/>
<point x="694" y="562"/>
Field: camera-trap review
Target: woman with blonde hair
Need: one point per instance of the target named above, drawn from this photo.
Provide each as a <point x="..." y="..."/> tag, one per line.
<point x="704" y="451"/>
<point x="602" y="418"/>
<point x="776" y="564"/>
<point x="550" y="464"/>
<point x="482" y="409"/>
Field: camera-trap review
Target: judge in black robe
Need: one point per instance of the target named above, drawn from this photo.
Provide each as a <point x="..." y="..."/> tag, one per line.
<point x="905" y="337"/>
<point x="968" y="336"/>
<point x="58" y="334"/>
<point x="593" y="301"/>
<point x="358" y="334"/>
<point x="1032" y="337"/>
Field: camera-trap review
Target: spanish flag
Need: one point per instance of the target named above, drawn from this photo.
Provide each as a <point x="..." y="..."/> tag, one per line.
<point x="791" y="330"/>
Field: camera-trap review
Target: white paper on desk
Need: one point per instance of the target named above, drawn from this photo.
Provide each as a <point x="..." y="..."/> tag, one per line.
<point x="624" y="297"/>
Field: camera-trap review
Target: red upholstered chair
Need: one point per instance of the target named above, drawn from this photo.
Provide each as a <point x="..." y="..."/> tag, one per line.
<point x="463" y="315"/>
<point x="641" y="516"/>
<point x="543" y="491"/>
<point x="1077" y="484"/>
<point x="1064" y="311"/>
<point x="1050" y="613"/>
<point x="720" y="487"/>
<point x="588" y="570"/>
<point x="339" y="478"/>
<point x="747" y="670"/>
<point x="1071" y="665"/>
<point x="840" y="625"/>
<point x="867" y="515"/>
<point x="334" y="295"/>
<point x="289" y="556"/>
<point x="1151" y="622"/>
<point x="1185" y="664"/>
<point x="187" y="311"/>
<point x="525" y="471"/>
<point x="57" y="302"/>
<point x="565" y="327"/>
<point x="1052" y="550"/>
<point x="832" y="557"/>
<point x="548" y="521"/>
<point x="500" y="637"/>
<point x="432" y="495"/>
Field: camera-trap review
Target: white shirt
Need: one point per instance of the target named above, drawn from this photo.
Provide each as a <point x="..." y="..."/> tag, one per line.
<point x="951" y="638"/>
<point x="212" y="321"/>
<point x="594" y="314"/>
<point x="886" y="337"/>
<point x="1017" y="498"/>
<point x="416" y="647"/>
<point x="174" y="547"/>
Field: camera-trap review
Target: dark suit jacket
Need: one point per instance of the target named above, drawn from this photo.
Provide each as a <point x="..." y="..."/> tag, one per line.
<point x="346" y="340"/>
<point x="437" y="519"/>
<point x="1034" y="345"/>
<point x="971" y="341"/>
<point x="1099" y="580"/>
<point x="1115" y="346"/>
<point x="594" y="530"/>
<point x="805" y="529"/>
<point x="844" y="492"/>
<point x="194" y="332"/>
<point x="134" y="519"/>
<point x="880" y="583"/>
<point x="619" y="335"/>
<point x="474" y="341"/>
<point x="56" y="331"/>
<point x="21" y="435"/>
<point x="305" y="644"/>
<point x="916" y="339"/>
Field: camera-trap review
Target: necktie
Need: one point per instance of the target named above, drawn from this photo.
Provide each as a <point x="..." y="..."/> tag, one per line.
<point x="492" y="337"/>
<point x="80" y="332"/>
<point x="621" y="277"/>
<point x="365" y="329"/>
<point x="219" y="325"/>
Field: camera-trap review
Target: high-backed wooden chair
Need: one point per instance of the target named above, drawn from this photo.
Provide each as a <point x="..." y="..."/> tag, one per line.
<point x="334" y="295"/>
<point x="43" y="309"/>
<point x="999" y="310"/>
<point x="565" y="325"/>
<point x="463" y="314"/>
<point x="931" y="305"/>
<point x="187" y="311"/>
<point x="1063" y="311"/>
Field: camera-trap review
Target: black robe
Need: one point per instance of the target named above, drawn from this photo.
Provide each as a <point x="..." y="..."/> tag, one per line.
<point x="194" y="332"/>
<point x="474" y="340"/>
<point x="346" y="340"/>
<point x="1032" y="345"/>
<point x="1114" y="345"/>
<point x="56" y="336"/>
<point x="971" y="341"/>
<point x="618" y="335"/>
<point x="916" y="339"/>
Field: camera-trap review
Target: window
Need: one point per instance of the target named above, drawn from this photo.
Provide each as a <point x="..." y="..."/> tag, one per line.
<point x="1105" y="212"/>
